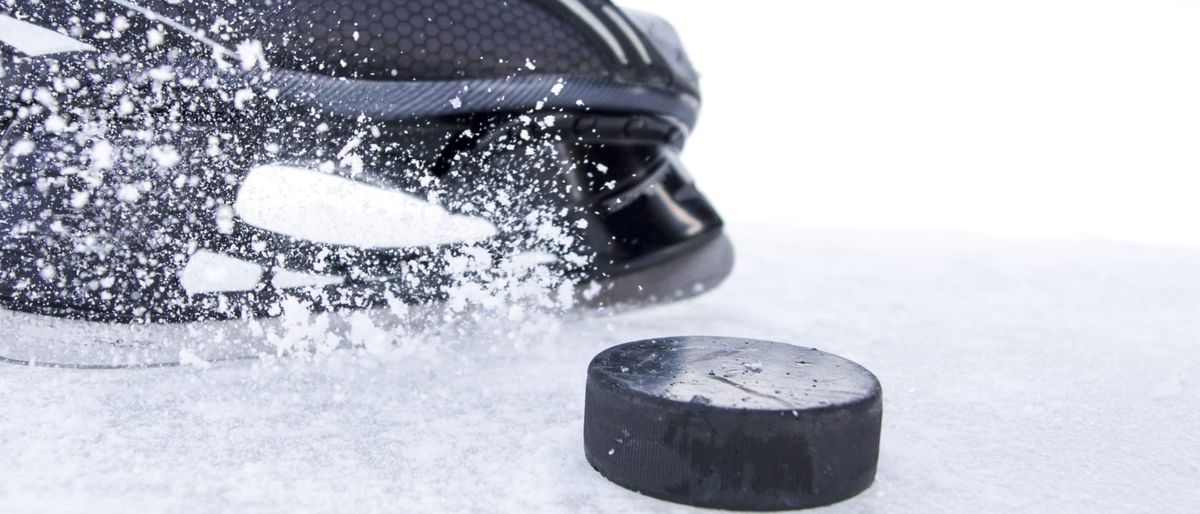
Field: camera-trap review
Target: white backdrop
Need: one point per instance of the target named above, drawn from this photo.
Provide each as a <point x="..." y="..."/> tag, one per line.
<point x="1018" y="117"/>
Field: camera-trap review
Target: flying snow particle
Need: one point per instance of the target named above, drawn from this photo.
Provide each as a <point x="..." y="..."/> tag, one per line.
<point x="55" y="124"/>
<point x="120" y="24"/>
<point x="126" y="106"/>
<point x="154" y="37"/>
<point x="250" y="54"/>
<point x="456" y="102"/>
<point x="224" y="218"/>
<point x="165" y="156"/>
<point x="46" y="98"/>
<point x="557" y="88"/>
<point x="162" y="73"/>
<point x="80" y="199"/>
<point x="354" y="162"/>
<point x="241" y="97"/>
<point x="581" y="223"/>
<point x="350" y="146"/>
<point x="101" y="155"/>
<point x="128" y="193"/>
<point x="22" y="148"/>
<point x="347" y="157"/>
<point x="529" y="64"/>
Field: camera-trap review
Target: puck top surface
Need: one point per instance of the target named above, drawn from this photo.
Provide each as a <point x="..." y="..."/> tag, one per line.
<point x="732" y="423"/>
<point x="734" y="373"/>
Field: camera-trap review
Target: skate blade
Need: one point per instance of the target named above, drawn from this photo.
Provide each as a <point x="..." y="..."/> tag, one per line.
<point x="38" y="340"/>
<point x="33" y="339"/>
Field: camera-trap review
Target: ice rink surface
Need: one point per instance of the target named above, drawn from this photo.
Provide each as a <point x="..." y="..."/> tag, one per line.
<point x="1029" y="376"/>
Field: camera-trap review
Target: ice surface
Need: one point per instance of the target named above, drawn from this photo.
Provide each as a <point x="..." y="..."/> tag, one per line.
<point x="1018" y="376"/>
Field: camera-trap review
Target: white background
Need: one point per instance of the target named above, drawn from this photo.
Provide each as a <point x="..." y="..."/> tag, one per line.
<point x="1017" y="117"/>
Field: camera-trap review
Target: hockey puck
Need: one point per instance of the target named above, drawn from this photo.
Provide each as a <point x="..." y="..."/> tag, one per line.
<point x="732" y="423"/>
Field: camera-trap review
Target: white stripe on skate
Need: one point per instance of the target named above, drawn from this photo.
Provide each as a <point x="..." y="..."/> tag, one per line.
<point x="630" y="34"/>
<point x="598" y="27"/>
<point x="316" y="206"/>
<point x="33" y="40"/>
<point x="153" y="16"/>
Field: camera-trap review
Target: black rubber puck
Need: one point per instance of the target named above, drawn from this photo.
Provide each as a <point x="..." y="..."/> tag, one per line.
<point x="732" y="423"/>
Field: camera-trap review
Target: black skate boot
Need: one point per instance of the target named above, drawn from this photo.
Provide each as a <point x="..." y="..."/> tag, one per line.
<point x="181" y="178"/>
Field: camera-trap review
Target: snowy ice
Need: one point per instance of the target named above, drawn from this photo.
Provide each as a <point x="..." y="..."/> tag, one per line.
<point x="1008" y="368"/>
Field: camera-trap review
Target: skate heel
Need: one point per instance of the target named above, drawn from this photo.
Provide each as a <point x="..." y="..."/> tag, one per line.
<point x="651" y="231"/>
